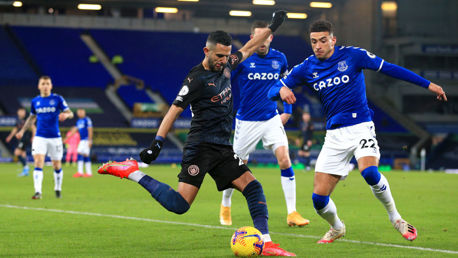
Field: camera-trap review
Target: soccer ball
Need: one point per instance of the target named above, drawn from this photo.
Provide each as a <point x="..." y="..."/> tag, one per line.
<point x="247" y="241"/>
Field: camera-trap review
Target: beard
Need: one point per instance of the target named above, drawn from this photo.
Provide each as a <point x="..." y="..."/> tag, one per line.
<point x="214" y="68"/>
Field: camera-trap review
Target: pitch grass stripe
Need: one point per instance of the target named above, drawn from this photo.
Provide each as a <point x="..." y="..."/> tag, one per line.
<point x="220" y="227"/>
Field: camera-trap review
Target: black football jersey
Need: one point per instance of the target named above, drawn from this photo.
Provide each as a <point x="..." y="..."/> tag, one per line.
<point x="210" y="96"/>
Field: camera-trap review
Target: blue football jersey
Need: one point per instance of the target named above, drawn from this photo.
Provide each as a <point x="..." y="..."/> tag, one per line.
<point x="339" y="83"/>
<point x="83" y="124"/>
<point x="255" y="76"/>
<point x="47" y="110"/>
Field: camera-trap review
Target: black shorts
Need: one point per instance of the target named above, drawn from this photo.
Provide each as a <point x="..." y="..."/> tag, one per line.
<point x="219" y="161"/>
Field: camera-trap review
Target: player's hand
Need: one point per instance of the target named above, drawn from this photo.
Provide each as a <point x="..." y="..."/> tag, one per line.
<point x="8" y="139"/>
<point x="287" y="95"/>
<point x="440" y="93"/>
<point x="19" y="135"/>
<point x="63" y="116"/>
<point x="278" y="17"/>
<point x="150" y="154"/>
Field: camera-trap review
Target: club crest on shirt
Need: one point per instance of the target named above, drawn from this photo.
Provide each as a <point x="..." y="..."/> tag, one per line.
<point x="342" y="66"/>
<point x="52" y="102"/>
<point x="252" y="65"/>
<point x="275" y="64"/>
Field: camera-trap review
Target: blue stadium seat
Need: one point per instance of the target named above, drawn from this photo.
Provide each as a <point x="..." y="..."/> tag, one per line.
<point x="61" y="54"/>
<point x="14" y="70"/>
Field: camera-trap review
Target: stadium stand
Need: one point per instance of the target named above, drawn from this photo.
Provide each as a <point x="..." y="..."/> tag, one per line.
<point x="61" y="54"/>
<point x="14" y="69"/>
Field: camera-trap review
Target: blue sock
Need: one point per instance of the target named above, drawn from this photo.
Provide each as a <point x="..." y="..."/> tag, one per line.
<point x="80" y="157"/>
<point x="371" y="175"/>
<point x="320" y="201"/>
<point x="289" y="172"/>
<point x="58" y="170"/>
<point x="86" y="159"/>
<point x="38" y="169"/>
<point x="165" y="195"/>
<point x="257" y="205"/>
<point x="22" y="160"/>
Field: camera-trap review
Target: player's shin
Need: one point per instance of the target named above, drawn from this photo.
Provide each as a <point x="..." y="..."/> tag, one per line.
<point x="37" y="179"/>
<point x="58" y="177"/>
<point x="257" y="205"/>
<point x="164" y="194"/>
<point x="381" y="189"/>
<point x="327" y="209"/>
<point x="88" y="165"/>
<point x="227" y="196"/>
<point x="80" y="164"/>
<point x="288" y="183"/>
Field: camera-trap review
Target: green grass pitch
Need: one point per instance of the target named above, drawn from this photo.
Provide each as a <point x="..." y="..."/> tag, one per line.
<point x="106" y="216"/>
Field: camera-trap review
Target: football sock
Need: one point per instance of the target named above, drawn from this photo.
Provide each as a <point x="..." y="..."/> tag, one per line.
<point x="80" y="164"/>
<point x="381" y="190"/>
<point x="58" y="176"/>
<point x="165" y="195"/>
<point x="37" y="179"/>
<point x="288" y="183"/>
<point x="88" y="165"/>
<point x="22" y="160"/>
<point x="227" y="196"/>
<point x="257" y="205"/>
<point x="326" y="208"/>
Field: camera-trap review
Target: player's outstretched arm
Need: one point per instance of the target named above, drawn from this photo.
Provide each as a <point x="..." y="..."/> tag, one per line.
<point x="29" y="122"/>
<point x="440" y="93"/>
<point x="150" y="154"/>
<point x="248" y="49"/>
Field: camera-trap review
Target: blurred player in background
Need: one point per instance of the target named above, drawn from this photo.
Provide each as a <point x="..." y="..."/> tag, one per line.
<point x="306" y="127"/>
<point x="335" y="73"/>
<point x="84" y="125"/>
<point x="207" y="88"/>
<point x="21" y="148"/>
<point x="47" y="109"/>
<point x="258" y="119"/>
<point x="72" y="139"/>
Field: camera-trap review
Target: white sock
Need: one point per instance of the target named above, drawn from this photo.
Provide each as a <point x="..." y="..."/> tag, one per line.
<point x="329" y="213"/>
<point x="382" y="192"/>
<point x="136" y="176"/>
<point x="58" y="177"/>
<point x="266" y="238"/>
<point x="88" y="167"/>
<point x="289" y="189"/>
<point x="227" y="197"/>
<point x="37" y="180"/>
<point x="80" y="166"/>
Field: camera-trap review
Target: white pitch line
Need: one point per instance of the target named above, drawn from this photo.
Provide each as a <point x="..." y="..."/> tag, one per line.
<point x="220" y="227"/>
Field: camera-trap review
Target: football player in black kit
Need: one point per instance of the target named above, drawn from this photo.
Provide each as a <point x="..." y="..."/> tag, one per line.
<point x="207" y="88"/>
<point x="21" y="148"/>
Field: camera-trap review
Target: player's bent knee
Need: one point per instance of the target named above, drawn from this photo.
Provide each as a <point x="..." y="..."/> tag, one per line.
<point x="320" y="201"/>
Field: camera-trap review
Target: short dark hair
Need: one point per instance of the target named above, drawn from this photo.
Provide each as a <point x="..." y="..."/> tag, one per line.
<point x="321" y="26"/>
<point x="44" y="77"/>
<point x="258" y="24"/>
<point x="220" y="37"/>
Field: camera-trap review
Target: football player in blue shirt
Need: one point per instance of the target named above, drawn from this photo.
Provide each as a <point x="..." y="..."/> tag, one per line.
<point x="84" y="125"/>
<point x="47" y="109"/>
<point x="258" y="119"/>
<point x="335" y="73"/>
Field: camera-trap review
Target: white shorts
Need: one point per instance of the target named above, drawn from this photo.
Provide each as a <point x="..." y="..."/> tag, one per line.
<point x="51" y="146"/>
<point x="83" y="148"/>
<point x="341" y="144"/>
<point x="249" y="133"/>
